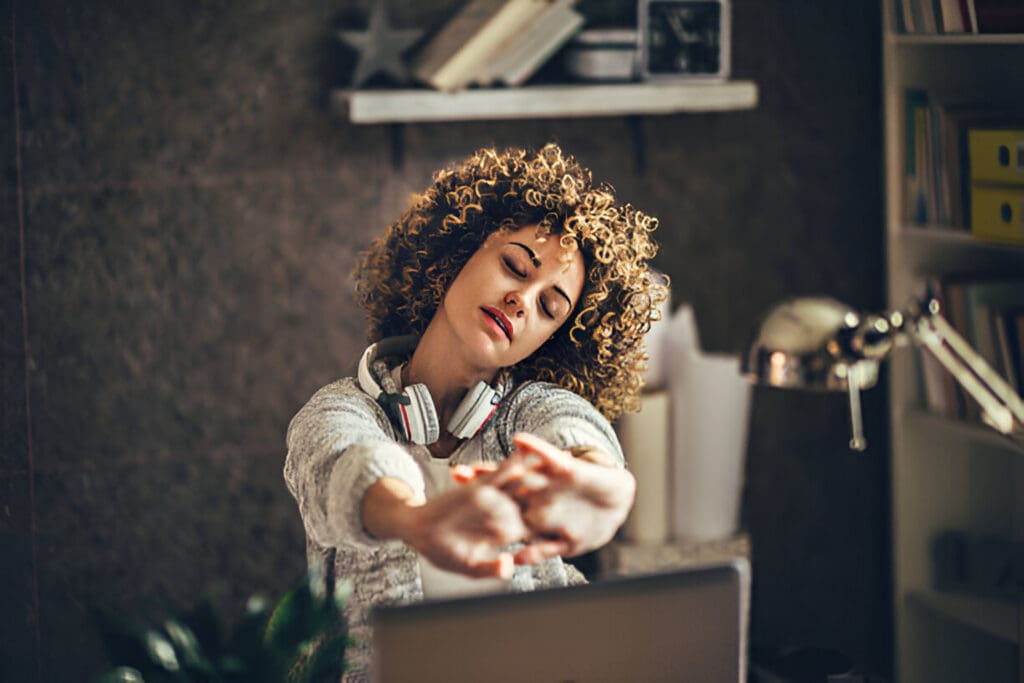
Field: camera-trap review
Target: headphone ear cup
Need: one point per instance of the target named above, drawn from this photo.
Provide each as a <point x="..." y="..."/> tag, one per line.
<point x="421" y="423"/>
<point x="475" y="411"/>
<point x="366" y="381"/>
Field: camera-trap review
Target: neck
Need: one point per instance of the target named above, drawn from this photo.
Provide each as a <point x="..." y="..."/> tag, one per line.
<point x="447" y="375"/>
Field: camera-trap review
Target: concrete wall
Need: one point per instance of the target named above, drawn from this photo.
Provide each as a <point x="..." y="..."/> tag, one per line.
<point x="186" y="209"/>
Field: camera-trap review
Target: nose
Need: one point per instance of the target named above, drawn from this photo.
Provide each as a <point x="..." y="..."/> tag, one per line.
<point x="515" y="300"/>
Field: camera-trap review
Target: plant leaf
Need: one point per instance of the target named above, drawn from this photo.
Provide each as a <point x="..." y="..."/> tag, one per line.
<point x="188" y="648"/>
<point x="122" y="674"/>
<point x="124" y="642"/>
<point x="268" y="646"/>
<point x="206" y="627"/>
<point x="161" y="650"/>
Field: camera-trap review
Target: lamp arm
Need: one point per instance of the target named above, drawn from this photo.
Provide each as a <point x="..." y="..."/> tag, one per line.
<point x="1002" y="407"/>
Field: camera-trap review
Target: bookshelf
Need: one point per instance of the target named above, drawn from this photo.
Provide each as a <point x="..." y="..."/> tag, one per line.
<point x="542" y="101"/>
<point x="945" y="473"/>
<point x="991" y="617"/>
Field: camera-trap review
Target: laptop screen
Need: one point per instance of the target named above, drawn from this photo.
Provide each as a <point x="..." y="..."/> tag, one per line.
<point x="684" y="625"/>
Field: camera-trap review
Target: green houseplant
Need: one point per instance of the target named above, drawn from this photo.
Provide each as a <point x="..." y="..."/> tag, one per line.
<point x="301" y="639"/>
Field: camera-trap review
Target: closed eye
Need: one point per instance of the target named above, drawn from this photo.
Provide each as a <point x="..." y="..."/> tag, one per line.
<point x="544" y="307"/>
<point x="514" y="267"/>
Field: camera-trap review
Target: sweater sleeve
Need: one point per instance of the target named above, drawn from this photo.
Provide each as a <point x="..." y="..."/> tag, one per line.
<point x="561" y="417"/>
<point x="339" y="444"/>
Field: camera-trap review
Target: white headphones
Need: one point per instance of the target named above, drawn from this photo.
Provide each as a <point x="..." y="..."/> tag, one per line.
<point x="412" y="411"/>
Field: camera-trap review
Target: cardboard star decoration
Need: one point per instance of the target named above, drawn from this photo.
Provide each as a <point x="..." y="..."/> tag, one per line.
<point x="380" y="47"/>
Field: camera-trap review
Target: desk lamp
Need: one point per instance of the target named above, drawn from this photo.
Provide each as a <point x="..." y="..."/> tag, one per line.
<point x="819" y="343"/>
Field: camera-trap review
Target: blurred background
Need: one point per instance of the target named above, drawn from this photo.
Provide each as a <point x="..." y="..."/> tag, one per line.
<point x="182" y="208"/>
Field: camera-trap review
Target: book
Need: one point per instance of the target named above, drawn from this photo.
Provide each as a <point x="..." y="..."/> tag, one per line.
<point x="933" y="157"/>
<point x="967" y="16"/>
<point x="938" y="203"/>
<point x="974" y="305"/>
<point x="927" y="12"/>
<point x="958" y="315"/>
<point x="453" y="57"/>
<point x="1017" y="343"/>
<point x="982" y="335"/>
<point x="906" y="16"/>
<point x="939" y="387"/>
<point x="949" y="177"/>
<point x="972" y="16"/>
<point x="916" y="178"/>
<point x="1002" y="330"/>
<point x="996" y="156"/>
<point x="938" y="159"/>
<point x="997" y="214"/>
<point x="515" y="61"/>
<point x="997" y="293"/>
<point x="954" y="120"/>
<point x="986" y="300"/>
<point x="952" y="19"/>
<point x="917" y="19"/>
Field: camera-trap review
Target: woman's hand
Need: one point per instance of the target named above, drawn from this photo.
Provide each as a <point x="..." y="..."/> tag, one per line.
<point x="463" y="529"/>
<point x="571" y="504"/>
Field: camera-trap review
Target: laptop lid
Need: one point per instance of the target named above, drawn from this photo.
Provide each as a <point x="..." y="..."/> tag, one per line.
<point x="684" y="625"/>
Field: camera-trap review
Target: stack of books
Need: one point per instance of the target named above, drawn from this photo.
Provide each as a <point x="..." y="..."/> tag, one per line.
<point x="960" y="16"/>
<point x="495" y="42"/>
<point x="964" y="167"/>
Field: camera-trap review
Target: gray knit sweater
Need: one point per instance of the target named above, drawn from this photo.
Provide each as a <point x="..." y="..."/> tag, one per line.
<point x="342" y="441"/>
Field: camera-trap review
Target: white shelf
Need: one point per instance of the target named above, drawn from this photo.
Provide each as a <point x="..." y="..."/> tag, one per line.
<point x="545" y="101"/>
<point x="994" y="617"/>
<point x="956" y="38"/>
<point x="940" y="234"/>
<point x="936" y="249"/>
<point x="954" y="236"/>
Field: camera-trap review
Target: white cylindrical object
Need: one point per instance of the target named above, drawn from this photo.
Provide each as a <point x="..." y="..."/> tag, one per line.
<point x="440" y="584"/>
<point x="645" y="438"/>
<point x="710" y="414"/>
<point x="655" y="343"/>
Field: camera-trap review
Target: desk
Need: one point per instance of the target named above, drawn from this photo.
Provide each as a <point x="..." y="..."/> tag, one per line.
<point x="621" y="558"/>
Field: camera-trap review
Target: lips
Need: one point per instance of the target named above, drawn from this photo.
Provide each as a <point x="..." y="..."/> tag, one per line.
<point x="502" y="321"/>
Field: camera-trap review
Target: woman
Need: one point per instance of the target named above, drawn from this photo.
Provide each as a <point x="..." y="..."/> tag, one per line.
<point x="507" y="308"/>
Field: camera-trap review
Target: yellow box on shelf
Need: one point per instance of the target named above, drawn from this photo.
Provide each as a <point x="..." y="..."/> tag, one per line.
<point x="996" y="155"/>
<point x="997" y="214"/>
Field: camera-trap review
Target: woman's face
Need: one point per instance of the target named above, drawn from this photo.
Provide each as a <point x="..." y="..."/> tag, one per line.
<point x="512" y="295"/>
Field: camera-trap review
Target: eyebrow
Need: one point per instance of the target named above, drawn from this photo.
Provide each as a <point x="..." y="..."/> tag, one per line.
<point x="536" y="263"/>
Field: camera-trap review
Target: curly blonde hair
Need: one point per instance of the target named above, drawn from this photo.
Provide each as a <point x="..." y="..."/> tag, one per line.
<point x="598" y="353"/>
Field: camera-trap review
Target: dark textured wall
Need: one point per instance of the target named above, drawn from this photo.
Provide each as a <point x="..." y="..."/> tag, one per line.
<point x="187" y="209"/>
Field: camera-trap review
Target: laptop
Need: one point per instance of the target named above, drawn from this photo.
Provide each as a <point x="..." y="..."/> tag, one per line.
<point x="683" y="625"/>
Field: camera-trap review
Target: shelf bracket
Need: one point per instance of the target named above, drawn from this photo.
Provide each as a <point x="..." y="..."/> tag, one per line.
<point x="638" y="133"/>
<point x="397" y="134"/>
